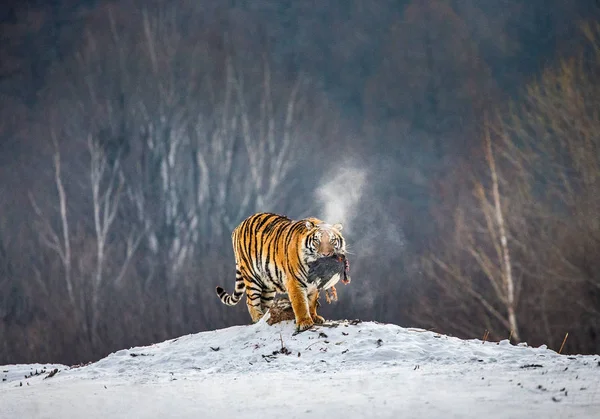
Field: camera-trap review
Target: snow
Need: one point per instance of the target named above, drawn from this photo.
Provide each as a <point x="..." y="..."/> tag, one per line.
<point x="341" y="370"/>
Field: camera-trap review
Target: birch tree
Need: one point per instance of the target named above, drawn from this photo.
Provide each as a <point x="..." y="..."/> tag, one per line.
<point x="107" y="189"/>
<point x="521" y="255"/>
<point x="268" y="144"/>
<point x="57" y="238"/>
<point x="552" y="146"/>
<point x="498" y="269"/>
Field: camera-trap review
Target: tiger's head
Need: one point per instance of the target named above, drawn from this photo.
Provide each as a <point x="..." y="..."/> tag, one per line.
<point x="324" y="239"/>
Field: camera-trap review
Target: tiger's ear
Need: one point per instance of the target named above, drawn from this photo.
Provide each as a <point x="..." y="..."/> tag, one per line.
<point x="309" y="224"/>
<point x="338" y="226"/>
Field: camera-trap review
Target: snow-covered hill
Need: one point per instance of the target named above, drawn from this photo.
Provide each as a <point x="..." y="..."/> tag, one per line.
<point x="343" y="370"/>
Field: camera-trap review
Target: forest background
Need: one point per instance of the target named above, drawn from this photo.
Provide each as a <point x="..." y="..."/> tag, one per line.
<point x="457" y="140"/>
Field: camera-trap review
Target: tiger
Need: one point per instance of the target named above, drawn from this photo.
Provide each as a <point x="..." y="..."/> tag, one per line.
<point x="272" y="254"/>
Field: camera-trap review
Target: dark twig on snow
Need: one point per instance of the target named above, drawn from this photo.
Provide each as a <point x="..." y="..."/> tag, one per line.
<point x="563" y="343"/>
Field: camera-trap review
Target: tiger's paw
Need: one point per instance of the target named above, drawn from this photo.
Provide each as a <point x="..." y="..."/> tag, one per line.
<point x="303" y="325"/>
<point x="318" y="319"/>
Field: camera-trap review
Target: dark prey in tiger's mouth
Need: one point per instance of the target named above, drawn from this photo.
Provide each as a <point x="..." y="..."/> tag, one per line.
<point x="322" y="272"/>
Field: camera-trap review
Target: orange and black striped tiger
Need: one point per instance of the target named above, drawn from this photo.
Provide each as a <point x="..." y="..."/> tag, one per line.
<point x="272" y="254"/>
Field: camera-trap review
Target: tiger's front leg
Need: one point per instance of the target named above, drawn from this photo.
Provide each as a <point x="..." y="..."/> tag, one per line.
<point x="312" y="308"/>
<point x="299" y="300"/>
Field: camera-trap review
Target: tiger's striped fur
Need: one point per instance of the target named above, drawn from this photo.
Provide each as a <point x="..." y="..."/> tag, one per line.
<point x="272" y="253"/>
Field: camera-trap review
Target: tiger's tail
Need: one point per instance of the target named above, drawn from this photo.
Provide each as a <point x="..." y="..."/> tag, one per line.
<point x="232" y="300"/>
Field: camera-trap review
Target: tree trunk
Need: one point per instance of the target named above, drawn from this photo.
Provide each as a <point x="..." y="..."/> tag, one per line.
<point x="507" y="276"/>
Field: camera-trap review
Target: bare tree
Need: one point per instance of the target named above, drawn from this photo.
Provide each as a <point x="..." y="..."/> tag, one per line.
<point x="477" y="260"/>
<point x="561" y="175"/>
<point x="107" y="189"/>
<point x="58" y="239"/>
<point x="531" y="224"/>
<point x="499" y="271"/>
<point x="268" y="151"/>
